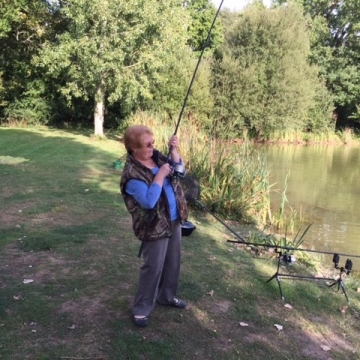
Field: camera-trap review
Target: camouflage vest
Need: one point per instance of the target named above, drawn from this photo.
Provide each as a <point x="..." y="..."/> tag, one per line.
<point x="153" y="224"/>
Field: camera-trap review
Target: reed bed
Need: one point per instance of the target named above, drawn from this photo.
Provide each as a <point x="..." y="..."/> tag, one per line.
<point x="345" y="136"/>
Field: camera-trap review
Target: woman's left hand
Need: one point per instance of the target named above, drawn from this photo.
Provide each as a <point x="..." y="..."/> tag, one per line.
<point x="174" y="142"/>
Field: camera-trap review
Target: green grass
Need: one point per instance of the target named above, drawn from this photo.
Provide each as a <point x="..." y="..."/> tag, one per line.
<point x="63" y="224"/>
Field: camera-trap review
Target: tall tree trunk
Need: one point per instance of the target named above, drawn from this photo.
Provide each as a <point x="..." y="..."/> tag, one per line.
<point x="99" y="112"/>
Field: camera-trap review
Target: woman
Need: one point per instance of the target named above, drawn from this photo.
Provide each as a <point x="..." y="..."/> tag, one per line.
<point x="157" y="204"/>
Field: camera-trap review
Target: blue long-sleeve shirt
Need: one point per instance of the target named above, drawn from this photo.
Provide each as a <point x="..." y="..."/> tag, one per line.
<point x="148" y="196"/>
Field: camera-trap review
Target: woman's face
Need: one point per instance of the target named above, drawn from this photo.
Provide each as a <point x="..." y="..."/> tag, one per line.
<point x="145" y="151"/>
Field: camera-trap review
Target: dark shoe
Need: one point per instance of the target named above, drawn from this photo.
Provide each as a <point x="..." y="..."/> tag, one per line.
<point x="141" y="322"/>
<point x="179" y="304"/>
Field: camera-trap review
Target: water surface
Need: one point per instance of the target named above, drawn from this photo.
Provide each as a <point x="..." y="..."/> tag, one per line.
<point x="324" y="183"/>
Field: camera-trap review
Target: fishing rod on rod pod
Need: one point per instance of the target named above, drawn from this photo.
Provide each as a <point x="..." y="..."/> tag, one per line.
<point x="289" y="259"/>
<point x="242" y="241"/>
<point x="192" y="186"/>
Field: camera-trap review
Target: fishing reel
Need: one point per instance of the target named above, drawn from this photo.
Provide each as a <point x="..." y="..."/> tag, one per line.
<point x="178" y="171"/>
<point x="287" y="258"/>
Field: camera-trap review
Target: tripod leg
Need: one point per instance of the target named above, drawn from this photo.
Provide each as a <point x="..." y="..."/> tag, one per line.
<point x="281" y="293"/>
<point x="277" y="277"/>
<point x="339" y="282"/>
<point x="273" y="277"/>
<point x="344" y="291"/>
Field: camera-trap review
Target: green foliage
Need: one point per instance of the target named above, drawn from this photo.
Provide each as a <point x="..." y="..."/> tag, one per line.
<point x="31" y="109"/>
<point x="276" y="70"/>
<point x="285" y="245"/>
<point x="169" y="90"/>
<point x="233" y="180"/>
<point x="346" y="135"/>
<point x="23" y="26"/>
<point x="262" y="79"/>
<point x="335" y="47"/>
<point x="2" y="92"/>
<point x="285" y="217"/>
<point x="300" y="137"/>
<point x="202" y="14"/>
<point x="112" y="49"/>
<point x="285" y="242"/>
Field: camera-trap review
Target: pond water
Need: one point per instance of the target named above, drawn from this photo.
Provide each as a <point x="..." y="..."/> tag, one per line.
<point x="324" y="184"/>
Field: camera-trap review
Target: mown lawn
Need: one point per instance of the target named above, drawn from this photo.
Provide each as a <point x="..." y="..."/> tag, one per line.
<point x="64" y="227"/>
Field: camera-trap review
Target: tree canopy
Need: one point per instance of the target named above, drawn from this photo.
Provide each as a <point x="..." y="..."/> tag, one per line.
<point x="112" y="49"/>
<point x="293" y="66"/>
<point x="263" y="81"/>
<point x="335" y="48"/>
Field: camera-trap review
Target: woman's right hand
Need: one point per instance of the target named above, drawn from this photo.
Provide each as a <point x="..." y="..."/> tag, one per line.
<point x="163" y="172"/>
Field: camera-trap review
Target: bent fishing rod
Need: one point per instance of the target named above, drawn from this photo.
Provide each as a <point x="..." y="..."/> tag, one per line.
<point x="179" y="170"/>
<point x="196" y="68"/>
<point x="181" y="173"/>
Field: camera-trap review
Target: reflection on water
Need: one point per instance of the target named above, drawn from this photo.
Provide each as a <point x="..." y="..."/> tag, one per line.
<point x="324" y="183"/>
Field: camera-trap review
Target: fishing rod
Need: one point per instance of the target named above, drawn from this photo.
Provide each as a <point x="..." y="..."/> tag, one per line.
<point x="197" y="67"/>
<point x="292" y="248"/>
<point x="179" y="170"/>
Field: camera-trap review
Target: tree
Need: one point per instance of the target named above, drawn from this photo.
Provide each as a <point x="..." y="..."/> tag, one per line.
<point x="202" y="14"/>
<point x="168" y="92"/>
<point x="23" y="26"/>
<point x="335" y="48"/>
<point x="263" y="81"/>
<point x="112" y="49"/>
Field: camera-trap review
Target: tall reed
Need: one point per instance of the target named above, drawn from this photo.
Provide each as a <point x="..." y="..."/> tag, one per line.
<point x="285" y="216"/>
<point x="347" y="135"/>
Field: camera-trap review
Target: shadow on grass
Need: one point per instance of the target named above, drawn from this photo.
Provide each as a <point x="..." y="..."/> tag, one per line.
<point x="64" y="226"/>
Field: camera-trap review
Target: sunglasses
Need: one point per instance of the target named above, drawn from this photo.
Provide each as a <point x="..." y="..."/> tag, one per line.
<point x="149" y="144"/>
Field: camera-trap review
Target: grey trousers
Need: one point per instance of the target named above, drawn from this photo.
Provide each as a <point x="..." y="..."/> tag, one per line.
<point x="159" y="274"/>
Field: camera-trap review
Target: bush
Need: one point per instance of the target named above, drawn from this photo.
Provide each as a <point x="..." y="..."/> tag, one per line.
<point x="31" y="109"/>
